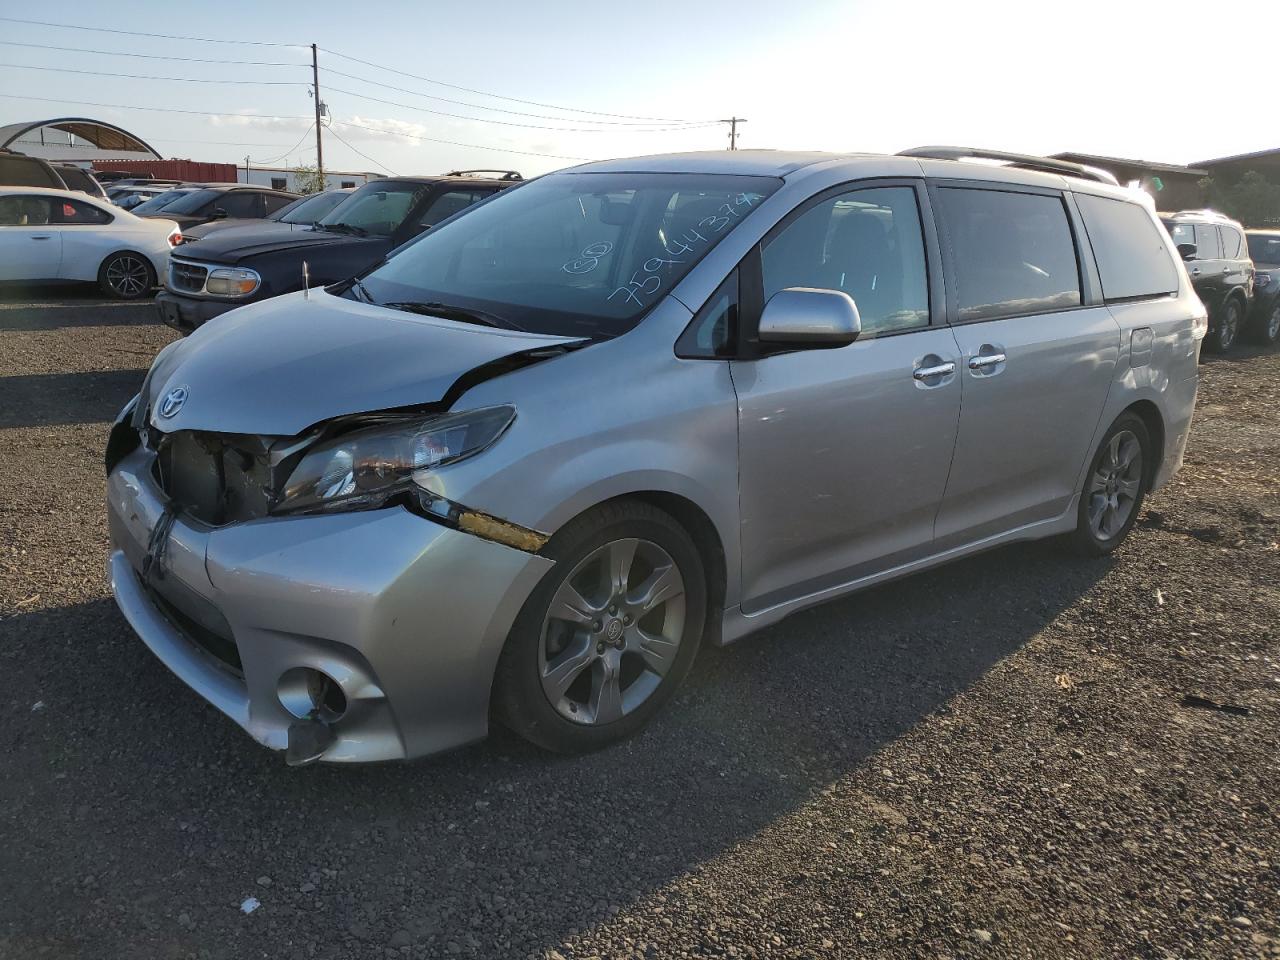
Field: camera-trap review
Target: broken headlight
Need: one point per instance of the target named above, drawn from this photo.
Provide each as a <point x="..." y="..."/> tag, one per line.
<point x="363" y="469"/>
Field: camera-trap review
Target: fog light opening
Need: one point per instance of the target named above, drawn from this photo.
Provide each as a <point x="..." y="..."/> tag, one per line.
<point x="309" y="693"/>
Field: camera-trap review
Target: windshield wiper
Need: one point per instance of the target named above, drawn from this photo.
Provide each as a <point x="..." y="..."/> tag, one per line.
<point x="346" y="228"/>
<point x="433" y="308"/>
<point x="361" y="290"/>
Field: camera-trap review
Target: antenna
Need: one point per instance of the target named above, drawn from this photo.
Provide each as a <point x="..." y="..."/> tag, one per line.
<point x="306" y="281"/>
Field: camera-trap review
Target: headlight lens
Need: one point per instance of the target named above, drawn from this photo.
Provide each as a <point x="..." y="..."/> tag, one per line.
<point x="232" y="282"/>
<point x="363" y="469"/>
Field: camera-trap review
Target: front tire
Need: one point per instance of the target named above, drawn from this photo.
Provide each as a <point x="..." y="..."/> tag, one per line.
<point x="608" y="635"/>
<point x="126" y="276"/>
<point x="1114" y="487"/>
<point x="1268" y="330"/>
<point x="1224" y="337"/>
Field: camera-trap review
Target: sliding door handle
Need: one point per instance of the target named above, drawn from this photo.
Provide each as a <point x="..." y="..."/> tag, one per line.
<point x="986" y="360"/>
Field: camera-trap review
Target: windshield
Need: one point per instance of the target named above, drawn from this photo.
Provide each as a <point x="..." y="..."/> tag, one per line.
<point x="572" y="254"/>
<point x="1265" y="248"/>
<point x="158" y="203"/>
<point x="309" y="209"/>
<point x="377" y="208"/>
<point x="193" y="201"/>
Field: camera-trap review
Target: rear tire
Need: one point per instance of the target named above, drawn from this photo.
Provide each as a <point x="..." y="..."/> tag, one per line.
<point x="1114" y="487"/>
<point x="126" y="276"/>
<point x="610" y="655"/>
<point x="1228" y="331"/>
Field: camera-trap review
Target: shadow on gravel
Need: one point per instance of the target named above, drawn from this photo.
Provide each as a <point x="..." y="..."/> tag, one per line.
<point x="41" y="400"/>
<point x="498" y="848"/>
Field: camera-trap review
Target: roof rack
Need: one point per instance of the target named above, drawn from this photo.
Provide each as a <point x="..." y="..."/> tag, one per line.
<point x="505" y="174"/>
<point x="1022" y="160"/>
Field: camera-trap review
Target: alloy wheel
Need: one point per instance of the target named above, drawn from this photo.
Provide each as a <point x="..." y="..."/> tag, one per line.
<point x="612" y="631"/>
<point x="127" y="276"/>
<point x="1115" y="484"/>
<point x="1273" y="325"/>
<point x="1230" y="323"/>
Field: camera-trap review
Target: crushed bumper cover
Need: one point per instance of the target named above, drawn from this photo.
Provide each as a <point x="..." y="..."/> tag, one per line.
<point x="407" y="615"/>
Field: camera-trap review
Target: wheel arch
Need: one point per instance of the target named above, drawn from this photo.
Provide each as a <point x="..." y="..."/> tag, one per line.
<point x="706" y="538"/>
<point x="1153" y="420"/>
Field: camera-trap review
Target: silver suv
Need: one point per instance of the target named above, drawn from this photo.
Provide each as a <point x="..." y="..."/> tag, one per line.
<point x="525" y="466"/>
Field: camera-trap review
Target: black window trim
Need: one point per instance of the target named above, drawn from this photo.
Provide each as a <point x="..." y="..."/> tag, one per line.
<point x="1086" y="269"/>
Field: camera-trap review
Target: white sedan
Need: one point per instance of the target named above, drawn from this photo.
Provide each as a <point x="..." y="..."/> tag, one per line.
<point x="56" y="235"/>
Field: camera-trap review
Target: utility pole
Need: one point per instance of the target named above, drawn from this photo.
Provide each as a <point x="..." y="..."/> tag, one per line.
<point x="733" y="130"/>
<point x="315" y="86"/>
<point x="246" y="169"/>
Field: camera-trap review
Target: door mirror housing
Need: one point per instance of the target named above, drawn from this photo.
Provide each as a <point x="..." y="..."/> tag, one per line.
<point x="1187" y="251"/>
<point x="808" y="317"/>
<point x="219" y="213"/>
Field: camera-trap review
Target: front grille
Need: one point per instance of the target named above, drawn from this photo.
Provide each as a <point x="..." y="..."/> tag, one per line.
<point x="215" y="478"/>
<point x="187" y="277"/>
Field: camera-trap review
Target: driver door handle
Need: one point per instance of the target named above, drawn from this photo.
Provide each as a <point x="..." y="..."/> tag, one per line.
<point x="43" y="236"/>
<point x="938" y="370"/>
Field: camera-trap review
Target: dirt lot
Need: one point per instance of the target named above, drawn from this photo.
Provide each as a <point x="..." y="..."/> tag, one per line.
<point x="1022" y="755"/>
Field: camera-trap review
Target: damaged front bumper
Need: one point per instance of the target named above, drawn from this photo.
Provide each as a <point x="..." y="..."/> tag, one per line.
<point x="404" y="615"/>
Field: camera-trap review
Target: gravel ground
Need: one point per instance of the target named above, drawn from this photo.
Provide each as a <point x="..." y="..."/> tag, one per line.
<point x="1022" y="755"/>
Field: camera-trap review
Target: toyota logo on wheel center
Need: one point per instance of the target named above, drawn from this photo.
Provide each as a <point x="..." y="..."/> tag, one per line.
<point x="173" y="401"/>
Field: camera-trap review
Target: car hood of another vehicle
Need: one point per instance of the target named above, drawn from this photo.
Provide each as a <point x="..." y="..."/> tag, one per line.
<point x="238" y="244"/>
<point x="285" y="364"/>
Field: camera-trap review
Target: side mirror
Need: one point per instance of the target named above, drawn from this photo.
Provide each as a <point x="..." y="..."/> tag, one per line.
<point x="807" y="317"/>
<point x="1187" y="251"/>
<point x="219" y="213"/>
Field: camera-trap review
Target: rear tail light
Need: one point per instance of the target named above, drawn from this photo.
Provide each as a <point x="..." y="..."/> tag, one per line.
<point x="175" y="238"/>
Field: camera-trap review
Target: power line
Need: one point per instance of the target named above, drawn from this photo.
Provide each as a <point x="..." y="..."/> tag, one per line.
<point x="221" y="143"/>
<point x="304" y="136"/>
<point x="518" y="113"/>
<point x="152" y="56"/>
<point x="343" y="140"/>
<point x="126" y="106"/>
<point x="498" y="96"/>
<point x="143" y="76"/>
<point x="455" y="143"/>
<point x="513" y="123"/>
<point x="136" y="33"/>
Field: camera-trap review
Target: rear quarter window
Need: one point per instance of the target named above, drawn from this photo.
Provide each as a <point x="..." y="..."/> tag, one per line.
<point x="1133" y="260"/>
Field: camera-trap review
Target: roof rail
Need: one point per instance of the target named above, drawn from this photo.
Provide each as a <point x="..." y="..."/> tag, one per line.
<point x="1022" y="160"/>
<point x="506" y="174"/>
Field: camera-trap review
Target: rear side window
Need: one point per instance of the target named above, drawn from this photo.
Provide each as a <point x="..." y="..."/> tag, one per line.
<point x="1013" y="252"/>
<point x="1231" y="242"/>
<point x="1208" y="246"/>
<point x="73" y="211"/>
<point x="27" y="172"/>
<point x="1132" y="258"/>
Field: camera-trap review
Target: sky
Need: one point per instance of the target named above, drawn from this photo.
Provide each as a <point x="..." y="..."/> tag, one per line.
<point x="549" y="83"/>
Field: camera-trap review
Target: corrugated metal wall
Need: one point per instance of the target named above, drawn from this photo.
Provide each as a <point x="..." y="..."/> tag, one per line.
<point x="174" y="169"/>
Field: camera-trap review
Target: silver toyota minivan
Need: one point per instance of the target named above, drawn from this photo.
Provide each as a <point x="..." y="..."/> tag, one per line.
<point x="525" y="466"/>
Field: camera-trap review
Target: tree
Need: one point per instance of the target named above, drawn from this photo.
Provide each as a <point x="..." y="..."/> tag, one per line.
<point x="307" y="179"/>
<point x="1253" y="200"/>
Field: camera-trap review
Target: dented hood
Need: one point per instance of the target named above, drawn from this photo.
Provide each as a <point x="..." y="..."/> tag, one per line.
<point x="282" y="365"/>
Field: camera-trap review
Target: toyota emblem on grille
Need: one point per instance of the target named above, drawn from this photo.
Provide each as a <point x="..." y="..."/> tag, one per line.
<point x="173" y="401"/>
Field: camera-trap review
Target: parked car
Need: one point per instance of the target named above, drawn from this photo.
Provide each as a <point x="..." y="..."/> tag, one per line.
<point x="160" y="201"/>
<point x="130" y="198"/>
<point x="1264" y="249"/>
<point x="303" y="212"/>
<point x="229" y="269"/>
<point x="1217" y="257"/>
<point x="225" y="201"/>
<point x="528" y="462"/>
<point x="77" y="178"/>
<point x="59" y="235"/>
